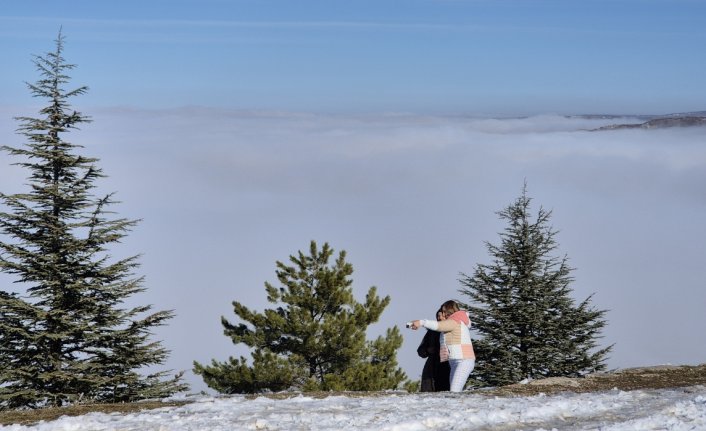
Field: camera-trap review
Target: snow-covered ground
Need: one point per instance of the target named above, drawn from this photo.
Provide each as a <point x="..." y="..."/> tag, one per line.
<point x="673" y="409"/>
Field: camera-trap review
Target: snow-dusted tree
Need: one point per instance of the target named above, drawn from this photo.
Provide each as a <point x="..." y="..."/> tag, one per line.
<point x="316" y="337"/>
<point x="521" y="305"/>
<point x="69" y="337"/>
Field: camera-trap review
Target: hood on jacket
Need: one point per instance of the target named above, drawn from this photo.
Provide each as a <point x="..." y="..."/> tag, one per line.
<point x="461" y="316"/>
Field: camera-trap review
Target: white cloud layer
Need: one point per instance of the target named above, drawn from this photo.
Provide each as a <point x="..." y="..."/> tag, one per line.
<point x="224" y="194"/>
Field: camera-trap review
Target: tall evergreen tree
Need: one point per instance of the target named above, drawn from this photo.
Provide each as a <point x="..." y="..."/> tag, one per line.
<point x="521" y="305"/>
<point x="69" y="337"/>
<point x="316" y="337"/>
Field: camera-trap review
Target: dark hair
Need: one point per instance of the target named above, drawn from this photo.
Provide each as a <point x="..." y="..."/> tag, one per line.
<point x="449" y="307"/>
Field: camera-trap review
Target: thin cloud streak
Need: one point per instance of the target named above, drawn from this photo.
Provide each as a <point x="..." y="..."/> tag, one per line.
<point x="330" y="24"/>
<point x="247" y="24"/>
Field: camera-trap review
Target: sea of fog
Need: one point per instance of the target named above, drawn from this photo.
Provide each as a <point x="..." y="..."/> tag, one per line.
<point x="224" y="194"/>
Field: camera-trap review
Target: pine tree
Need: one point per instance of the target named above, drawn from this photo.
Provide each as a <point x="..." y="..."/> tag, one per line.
<point x="316" y="337"/>
<point x="521" y="305"/>
<point x="69" y="337"/>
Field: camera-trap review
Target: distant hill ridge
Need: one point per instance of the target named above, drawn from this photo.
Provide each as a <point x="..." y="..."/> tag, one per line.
<point x="689" y="119"/>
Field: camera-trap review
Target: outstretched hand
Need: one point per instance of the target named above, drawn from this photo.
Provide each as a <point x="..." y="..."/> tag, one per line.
<point x="416" y="324"/>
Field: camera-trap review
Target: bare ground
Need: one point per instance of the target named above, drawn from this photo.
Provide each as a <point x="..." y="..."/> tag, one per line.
<point x="629" y="379"/>
<point x="658" y="377"/>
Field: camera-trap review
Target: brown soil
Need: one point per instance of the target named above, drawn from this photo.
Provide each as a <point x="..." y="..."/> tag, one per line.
<point x="28" y="417"/>
<point x="626" y="380"/>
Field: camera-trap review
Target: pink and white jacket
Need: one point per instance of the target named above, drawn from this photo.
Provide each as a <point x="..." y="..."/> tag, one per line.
<point x="455" y="341"/>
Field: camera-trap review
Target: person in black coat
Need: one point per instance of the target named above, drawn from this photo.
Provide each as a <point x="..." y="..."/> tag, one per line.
<point x="435" y="374"/>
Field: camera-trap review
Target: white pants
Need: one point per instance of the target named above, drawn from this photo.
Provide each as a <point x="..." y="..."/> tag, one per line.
<point x="460" y="370"/>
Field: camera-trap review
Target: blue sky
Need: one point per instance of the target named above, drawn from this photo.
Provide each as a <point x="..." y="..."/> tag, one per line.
<point x="496" y="57"/>
<point x="238" y="131"/>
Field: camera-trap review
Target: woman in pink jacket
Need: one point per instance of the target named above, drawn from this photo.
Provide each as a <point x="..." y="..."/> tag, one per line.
<point x="455" y="342"/>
